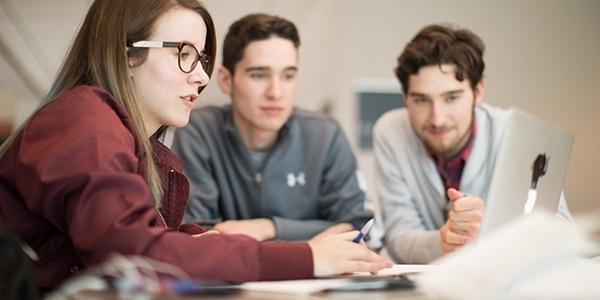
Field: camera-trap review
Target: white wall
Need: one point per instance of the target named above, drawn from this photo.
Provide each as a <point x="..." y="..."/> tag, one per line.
<point x="37" y="33"/>
<point x="542" y="56"/>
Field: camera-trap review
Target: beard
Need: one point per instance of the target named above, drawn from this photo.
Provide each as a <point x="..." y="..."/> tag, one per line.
<point x="448" y="148"/>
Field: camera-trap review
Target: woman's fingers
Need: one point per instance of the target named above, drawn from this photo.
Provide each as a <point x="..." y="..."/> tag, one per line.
<point x="337" y="254"/>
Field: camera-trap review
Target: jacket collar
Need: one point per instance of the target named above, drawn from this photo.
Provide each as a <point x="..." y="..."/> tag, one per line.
<point x="163" y="155"/>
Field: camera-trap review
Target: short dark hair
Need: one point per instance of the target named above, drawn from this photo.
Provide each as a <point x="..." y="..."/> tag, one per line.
<point x="442" y="44"/>
<point x="255" y="27"/>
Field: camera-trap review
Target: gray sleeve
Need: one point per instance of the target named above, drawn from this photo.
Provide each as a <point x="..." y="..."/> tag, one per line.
<point x="191" y="147"/>
<point x="298" y="230"/>
<point x="406" y="239"/>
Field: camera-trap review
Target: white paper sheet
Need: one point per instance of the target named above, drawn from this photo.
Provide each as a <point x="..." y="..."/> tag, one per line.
<point x="399" y="269"/>
<point x="295" y="286"/>
<point x="306" y="287"/>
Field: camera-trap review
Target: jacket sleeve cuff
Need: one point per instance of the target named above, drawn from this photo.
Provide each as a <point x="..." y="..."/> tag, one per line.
<point x="285" y="261"/>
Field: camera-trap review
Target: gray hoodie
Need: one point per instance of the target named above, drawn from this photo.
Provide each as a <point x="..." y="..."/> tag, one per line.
<point x="308" y="180"/>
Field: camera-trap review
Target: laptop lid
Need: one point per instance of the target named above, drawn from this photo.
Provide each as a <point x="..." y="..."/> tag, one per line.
<point x="529" y="171"/>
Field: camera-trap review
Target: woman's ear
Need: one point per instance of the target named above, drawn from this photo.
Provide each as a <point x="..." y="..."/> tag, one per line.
<point x="129" y="70"/>
<point x="131" y="63"/>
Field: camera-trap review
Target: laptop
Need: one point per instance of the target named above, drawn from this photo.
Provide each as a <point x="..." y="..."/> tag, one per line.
<point x="529" y="172"/>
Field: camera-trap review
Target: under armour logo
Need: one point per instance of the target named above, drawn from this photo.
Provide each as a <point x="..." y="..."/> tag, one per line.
<point x="299" y="179"/>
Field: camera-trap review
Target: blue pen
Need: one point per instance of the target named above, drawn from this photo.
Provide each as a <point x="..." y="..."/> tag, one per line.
<point x="363" y="231"/>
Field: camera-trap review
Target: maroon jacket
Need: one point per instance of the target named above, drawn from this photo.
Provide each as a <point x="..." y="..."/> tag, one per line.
<point x="72" y="187"/>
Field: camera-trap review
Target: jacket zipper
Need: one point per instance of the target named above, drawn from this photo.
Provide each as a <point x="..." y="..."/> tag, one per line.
<point x="171" y="171"/>
<point x="162" y="218"/>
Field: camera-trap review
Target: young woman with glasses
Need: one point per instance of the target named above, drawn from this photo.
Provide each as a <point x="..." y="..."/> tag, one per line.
<point x="85" y="176"/>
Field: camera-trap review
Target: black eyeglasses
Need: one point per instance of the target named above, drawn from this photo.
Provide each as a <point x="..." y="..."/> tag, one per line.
<point x="188" y="55"/>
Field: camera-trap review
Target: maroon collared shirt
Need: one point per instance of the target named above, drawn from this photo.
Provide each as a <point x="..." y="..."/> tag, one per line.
<point x="451" y="170"/>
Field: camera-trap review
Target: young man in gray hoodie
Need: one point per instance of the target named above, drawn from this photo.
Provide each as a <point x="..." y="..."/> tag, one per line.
<point x="260" y="166"/>
<point x="435" y="157"/>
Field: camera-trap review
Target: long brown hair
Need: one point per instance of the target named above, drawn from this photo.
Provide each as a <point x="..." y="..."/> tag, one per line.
<point x="99" y="56"/>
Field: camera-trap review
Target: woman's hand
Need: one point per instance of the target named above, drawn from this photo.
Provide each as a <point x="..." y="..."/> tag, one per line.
<point x="337" y="254"/>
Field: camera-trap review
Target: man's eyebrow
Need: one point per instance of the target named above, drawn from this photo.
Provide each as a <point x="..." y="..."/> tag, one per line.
<point x="455" y="91"/>
<point x="417" y="94"/>
<point x="257" y="68"/>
